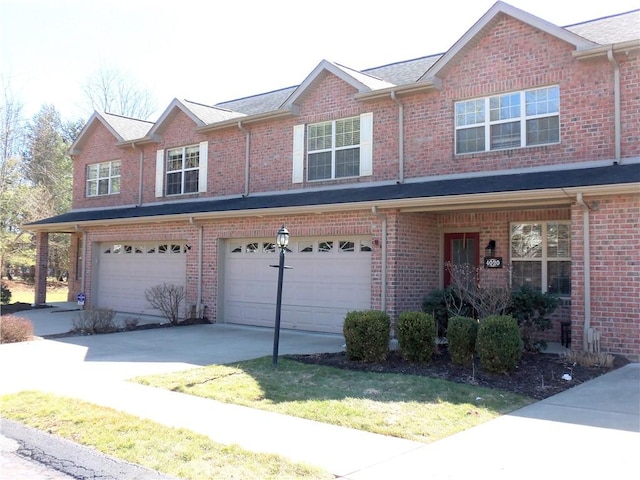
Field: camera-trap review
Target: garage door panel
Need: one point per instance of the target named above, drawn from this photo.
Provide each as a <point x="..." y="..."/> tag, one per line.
<point x="318" y="291"/>
<point x="123" y="278"/>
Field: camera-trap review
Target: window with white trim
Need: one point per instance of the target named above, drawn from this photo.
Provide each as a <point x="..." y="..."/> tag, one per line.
<point x="511" y="120"/>
<point x="333" y="149"/>
<point x="103" y="178"/>
<point x="182" y="171"/>
<point x="541" y="256"/>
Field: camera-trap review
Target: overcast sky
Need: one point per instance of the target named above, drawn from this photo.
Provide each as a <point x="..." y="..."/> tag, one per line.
<point x="211" y="51"/>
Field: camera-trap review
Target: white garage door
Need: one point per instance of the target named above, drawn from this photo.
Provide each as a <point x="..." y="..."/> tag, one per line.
<point x="126" y="270"/>
<point x="329" y="277"/>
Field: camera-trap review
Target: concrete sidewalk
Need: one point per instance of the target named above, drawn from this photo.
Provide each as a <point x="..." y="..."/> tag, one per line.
<point x="589" y="431"/>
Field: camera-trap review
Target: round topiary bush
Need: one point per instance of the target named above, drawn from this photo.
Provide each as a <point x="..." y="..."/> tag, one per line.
<point x="367" y="335"/>
<point x="416" y="336"/>
<point x="461" y="339"/>
<point x="499" y="345"/>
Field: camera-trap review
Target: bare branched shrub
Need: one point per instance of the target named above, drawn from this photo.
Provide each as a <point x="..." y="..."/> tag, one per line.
<point x="167" y="298"/>
<point x="590" y="359"/>
<point x="485" y="298"/>
<point x="15" y="329"/>
<point x="95" y="320"/>
<point x="131" y="322"/>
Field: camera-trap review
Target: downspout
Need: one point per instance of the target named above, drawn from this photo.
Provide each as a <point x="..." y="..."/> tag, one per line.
<point x="587" y="271"/>
<point x="616" y="99"/>
<point x="246" y="157"/>
<point x="133" y="145"/>
<point x="400" y="136"/>
<point x="383" y="261"/>
<point x="199" y="309"/>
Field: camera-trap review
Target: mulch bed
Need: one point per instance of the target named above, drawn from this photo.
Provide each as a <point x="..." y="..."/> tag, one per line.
<point x="539" y="375"/>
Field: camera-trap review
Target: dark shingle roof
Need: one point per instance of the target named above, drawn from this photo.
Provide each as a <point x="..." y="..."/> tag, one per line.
<point x="612" y="29"/>
<point x="519" y="182"/>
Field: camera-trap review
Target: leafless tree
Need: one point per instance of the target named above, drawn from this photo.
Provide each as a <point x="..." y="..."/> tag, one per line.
<point x="112" y="91"/>
<point x="486" y="297"/>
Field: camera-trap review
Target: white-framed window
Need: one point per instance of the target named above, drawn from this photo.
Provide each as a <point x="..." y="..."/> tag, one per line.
<point x="510" y="120"/>
<point x="333" y="149"/>
<point x="103" y="178"/>
<point x="182" y="170"/>
<point x="541" y="256"/>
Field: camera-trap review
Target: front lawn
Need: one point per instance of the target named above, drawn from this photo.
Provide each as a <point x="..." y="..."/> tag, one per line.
<point x="406" y="406"/>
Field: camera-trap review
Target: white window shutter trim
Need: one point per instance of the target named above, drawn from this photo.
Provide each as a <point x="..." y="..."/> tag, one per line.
<point x="298" y="153"/>
<point x="366" y="144"/>
<point x="204" y="163"/>
<point x="159" y="173"/>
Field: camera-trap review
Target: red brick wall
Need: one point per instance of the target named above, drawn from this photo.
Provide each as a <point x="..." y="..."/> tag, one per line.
<point x="214" y="231"/>
<point x="615" y="273"/>
<point x="101" y="147"/>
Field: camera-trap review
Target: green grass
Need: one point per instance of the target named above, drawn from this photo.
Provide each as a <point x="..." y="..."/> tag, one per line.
<point x="176" y="452"/>
<point x="406" y="406"/>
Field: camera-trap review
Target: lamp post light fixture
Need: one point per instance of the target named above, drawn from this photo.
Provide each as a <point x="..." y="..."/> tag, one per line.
<point x="282" y="240"/>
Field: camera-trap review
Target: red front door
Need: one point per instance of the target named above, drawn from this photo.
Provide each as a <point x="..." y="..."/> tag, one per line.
<point x="460" y="249"/>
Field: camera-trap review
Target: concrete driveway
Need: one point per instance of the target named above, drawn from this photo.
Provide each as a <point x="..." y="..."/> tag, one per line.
<point x="118" y="356"/>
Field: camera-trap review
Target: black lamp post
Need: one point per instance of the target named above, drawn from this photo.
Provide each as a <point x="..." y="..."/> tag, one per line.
<point x="282" y="240"/>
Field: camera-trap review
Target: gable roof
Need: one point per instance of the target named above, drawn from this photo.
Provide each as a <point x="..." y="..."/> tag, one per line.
<point x="201" y="115"/>
<point x="487" y="21"/>
<point x="122" y="128"/>
<point x="418" y="73"/>
<point x="362" y="82"/>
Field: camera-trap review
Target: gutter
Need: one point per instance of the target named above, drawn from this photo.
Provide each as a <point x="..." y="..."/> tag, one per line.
<point x="587" y="271"/>
<point x="400" y="136"/>
<point x="247" y="153"/>
<point x="616" y="99"/>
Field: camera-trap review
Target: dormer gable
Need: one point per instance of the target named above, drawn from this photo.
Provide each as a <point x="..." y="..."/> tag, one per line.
<point x="486" y="22"/>
<point x="123" y="129"/>
<point x="201" y="115"/>
<point x="362" y="82"/>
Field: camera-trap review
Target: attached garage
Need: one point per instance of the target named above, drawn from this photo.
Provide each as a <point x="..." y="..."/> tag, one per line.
<point x="329" y="276"/>
<point x="126" y="270"/>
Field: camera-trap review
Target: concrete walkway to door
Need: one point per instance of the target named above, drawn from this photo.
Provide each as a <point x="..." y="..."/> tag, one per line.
<point x="589" y="431"/>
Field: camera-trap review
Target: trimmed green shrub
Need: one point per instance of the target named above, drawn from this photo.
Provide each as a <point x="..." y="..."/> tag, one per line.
<point x="95" y="320"/>
<point x="416" y="336"/>
<point x="443" y="303"/>
<point x="5" y="294"/>
<point x="530" y="308"/>
<point x="461" y="338"/>
<point x="15" y="329"/>
<point x="499" y="345"/>
<point x="367" y="335"/>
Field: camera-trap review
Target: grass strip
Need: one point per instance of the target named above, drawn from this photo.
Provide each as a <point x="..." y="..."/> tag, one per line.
<point x="172" y="451"/>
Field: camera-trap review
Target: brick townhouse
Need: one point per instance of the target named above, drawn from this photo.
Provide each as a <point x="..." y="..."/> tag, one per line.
<point x="523" y="137"/>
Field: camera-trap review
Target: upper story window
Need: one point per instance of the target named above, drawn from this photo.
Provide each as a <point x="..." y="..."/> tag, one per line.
<point x="103" y="178"/>
<point x="511" y="120"/>
<point x="541" y="256"/>
<point x="334" y="149"/>
<point x="182" y="170"/>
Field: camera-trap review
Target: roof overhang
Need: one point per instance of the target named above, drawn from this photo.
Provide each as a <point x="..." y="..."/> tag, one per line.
<point x="512" y="200"/>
